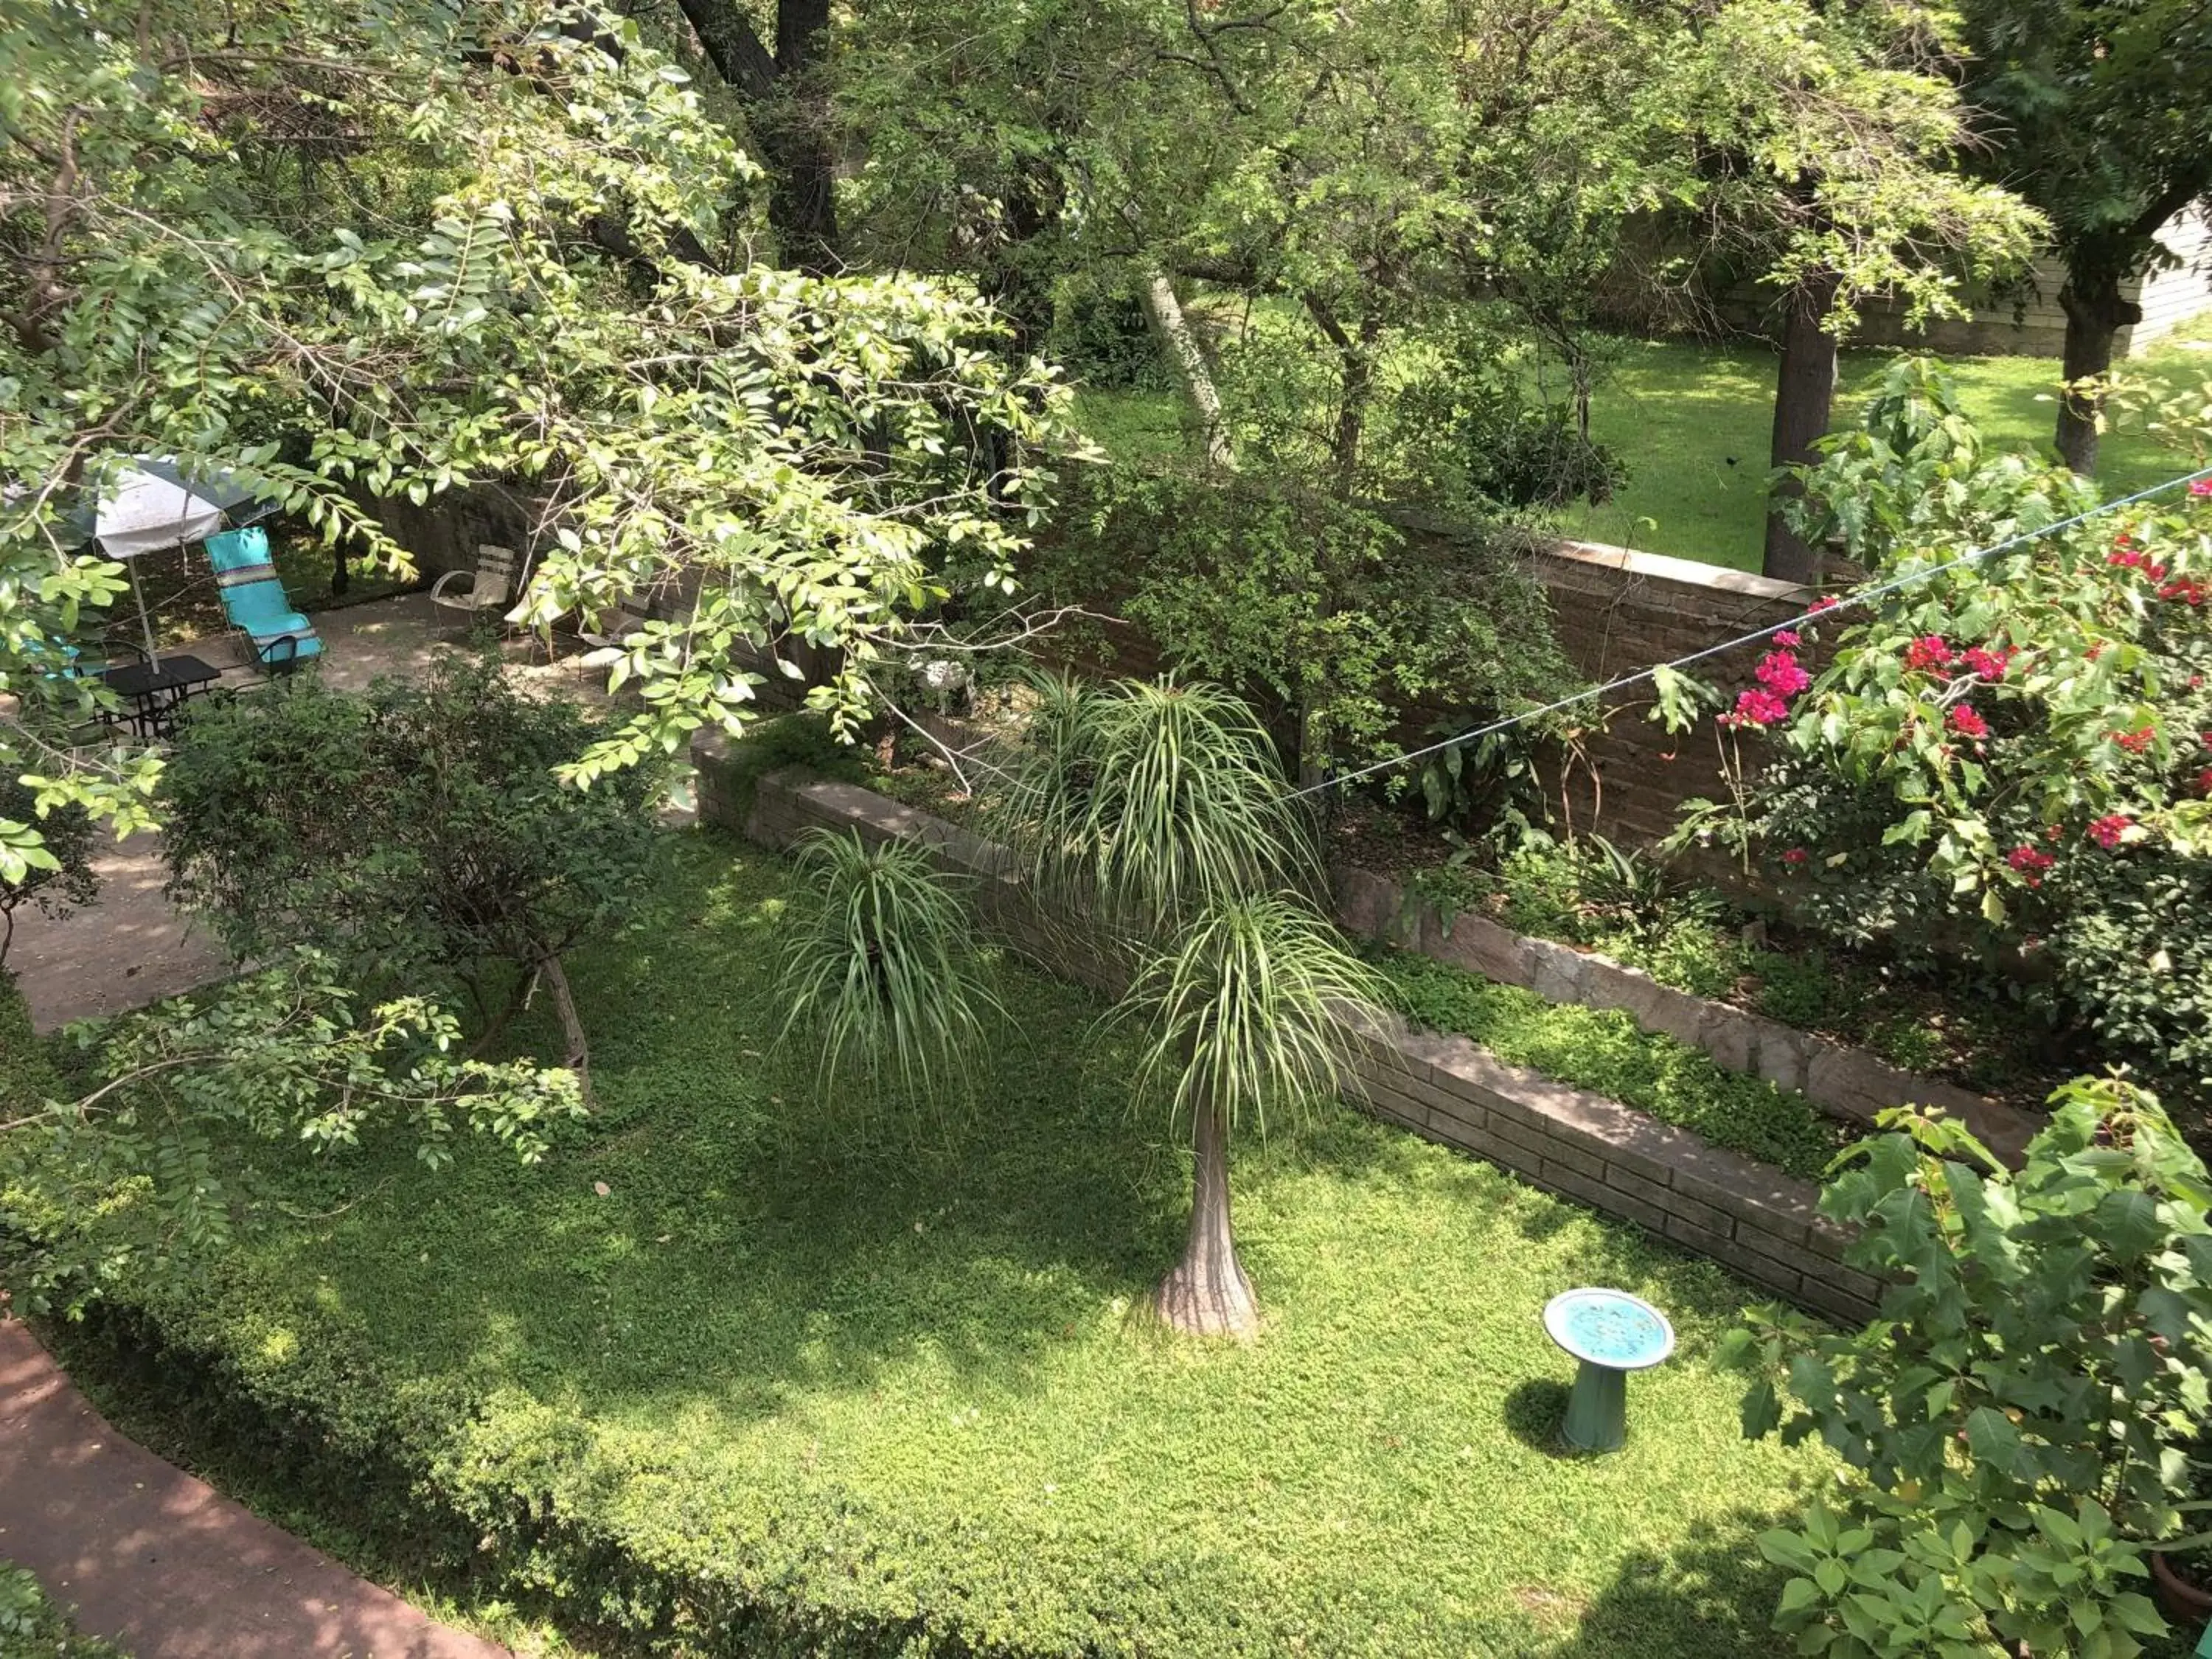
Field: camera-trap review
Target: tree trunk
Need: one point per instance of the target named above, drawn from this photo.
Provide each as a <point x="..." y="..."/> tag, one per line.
<point x="1180" y="346"/>
<point x="1805" y="391"/>
<point x="579" y="1058"/>
<point x="1208" y="1294"/>
<point x="805" y="209"/>
<point x="2094" y="313"/>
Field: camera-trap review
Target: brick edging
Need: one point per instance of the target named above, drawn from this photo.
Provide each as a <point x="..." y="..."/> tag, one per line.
<point x="1752" y="1218"/>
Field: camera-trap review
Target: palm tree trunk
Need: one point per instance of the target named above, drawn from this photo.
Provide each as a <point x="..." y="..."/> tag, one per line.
<point x="1208" y="1294"/>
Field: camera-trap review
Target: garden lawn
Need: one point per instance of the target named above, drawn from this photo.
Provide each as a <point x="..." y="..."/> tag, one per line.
<point x="1693" y="421"/>
<point x="775" y="1374"/>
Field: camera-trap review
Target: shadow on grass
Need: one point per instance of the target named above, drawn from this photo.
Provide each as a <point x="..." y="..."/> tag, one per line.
<point x="1712" y="1594"/>
<point x="1533" y="1413"/>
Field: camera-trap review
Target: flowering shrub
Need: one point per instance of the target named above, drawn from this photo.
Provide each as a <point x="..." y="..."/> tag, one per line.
<point x="2009" y="752"/>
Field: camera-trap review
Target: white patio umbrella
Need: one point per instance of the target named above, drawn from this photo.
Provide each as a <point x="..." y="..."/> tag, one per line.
<point x="151" y="504"/>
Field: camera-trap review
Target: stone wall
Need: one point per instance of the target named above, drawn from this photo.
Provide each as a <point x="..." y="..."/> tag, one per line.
<point x="1750" y="1218"/>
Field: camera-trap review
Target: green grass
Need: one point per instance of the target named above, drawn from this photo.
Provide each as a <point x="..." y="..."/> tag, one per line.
<point x="1693" y="422"/>
<point x="1602" y="1050"/>
<point x="800" y="1380"/>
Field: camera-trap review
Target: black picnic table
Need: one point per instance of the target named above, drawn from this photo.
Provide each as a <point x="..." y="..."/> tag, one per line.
<point x="156" y="690"/>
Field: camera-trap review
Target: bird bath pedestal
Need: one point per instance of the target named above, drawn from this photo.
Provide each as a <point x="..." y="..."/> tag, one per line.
<point x="1611" y="1333"/>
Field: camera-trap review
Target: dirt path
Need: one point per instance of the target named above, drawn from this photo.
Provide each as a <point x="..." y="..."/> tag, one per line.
<point x="163" y="1564"/>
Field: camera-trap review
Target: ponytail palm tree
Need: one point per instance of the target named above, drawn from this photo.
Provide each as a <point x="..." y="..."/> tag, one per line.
<point x="1243" y="1012"/>
<point x="1155" y="827"/>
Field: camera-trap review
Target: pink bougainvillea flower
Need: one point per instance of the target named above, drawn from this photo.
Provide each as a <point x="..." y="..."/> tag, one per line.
<point x="2031" y="863"/>
<point x="1788" y="639"/>
<point x="2204" y="781"/>
<point x="2187" y="589"/>
<point x="2107" y="830"/>
<point x="1757" y="706"/>
<point x="1795" y="857"/>
<point x="2124" y="555"/>
<point x="1780" y="673"/>
<point x="2138" y="741"/>
<point x="1929" y="651"/>
<point x="1986" y="664"/>
<point x="2200" y="486"/>
<point x="1826" y="602"/>
<point x="1967" y="721"/>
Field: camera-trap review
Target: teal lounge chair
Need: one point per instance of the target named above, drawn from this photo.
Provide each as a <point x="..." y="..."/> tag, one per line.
<point x="254" y="601"/>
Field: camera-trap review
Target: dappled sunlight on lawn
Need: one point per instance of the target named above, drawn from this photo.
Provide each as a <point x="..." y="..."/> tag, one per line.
<point x="759" y="1309"/>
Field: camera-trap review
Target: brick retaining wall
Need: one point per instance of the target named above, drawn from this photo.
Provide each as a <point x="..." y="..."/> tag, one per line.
<point x="1845" y="1082"/>
<point x="1747" y="1216"/>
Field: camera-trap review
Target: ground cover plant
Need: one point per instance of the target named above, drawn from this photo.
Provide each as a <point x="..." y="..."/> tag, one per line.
<point x="1604" y="1051"/>
<point x="32" y="1626"/>
<point x="727" y="1368"/>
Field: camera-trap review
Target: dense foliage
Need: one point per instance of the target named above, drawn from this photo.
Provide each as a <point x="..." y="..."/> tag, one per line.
<point x="2019" y="1416"/>
<point x="417" y="831"/>
<point x="1338" y="618"/>
<point x="132" y="1170"/>
<point x="55" y="876"/>
<point x="788" y="1388"/>
<point x="346" y="254"/>
<point x="2013" y="753"/>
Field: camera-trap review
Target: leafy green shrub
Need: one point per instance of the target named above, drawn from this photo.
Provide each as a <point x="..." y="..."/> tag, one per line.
<point x="416" y="832"/>
<point x="57" y="875"/>
<point x="2019" y="1414"/>
<point x="33" y="1627"/>
<point x="1604" y="1052"/>
<point x="769" y="745"/>
<point x="2009" y="759"/>
<point x="1336" y="616"/>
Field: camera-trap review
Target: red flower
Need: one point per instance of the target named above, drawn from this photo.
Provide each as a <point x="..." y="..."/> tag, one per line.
<point x="2031" y="863"/>
<point x="2200" y="486"/>
<point x="1826" y="602"/>
<point x="1756" y="708"/>
<point x="2135" y="742"/>
<point x="1778" y="672"/>
<point x="1988" y="664"/>
<point x="2204" y="781"/>
<point x="1928" y="651"/>
<point x="2053" y="831"/>
<point x="1788" y="640"/>
<point x="2107" y="830"/>
<point x="1967" y="722"/>
<point x="1795" y="856"/>
<point x="2124" y="554"/>
<point x="2188" y="590"/>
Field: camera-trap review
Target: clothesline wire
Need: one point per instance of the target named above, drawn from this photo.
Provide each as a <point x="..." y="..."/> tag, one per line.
<point x="1841" y="602"/>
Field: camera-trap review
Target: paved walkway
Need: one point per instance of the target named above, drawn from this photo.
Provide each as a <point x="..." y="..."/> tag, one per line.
<point x="163" y="1564"/>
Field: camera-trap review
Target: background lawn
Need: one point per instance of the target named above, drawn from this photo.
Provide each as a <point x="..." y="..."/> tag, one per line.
<point x="803" y="1374"/>
<point x="1693" y="422"/>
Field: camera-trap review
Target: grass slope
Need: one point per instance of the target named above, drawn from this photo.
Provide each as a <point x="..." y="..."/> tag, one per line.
<point x="800" y="1379"/>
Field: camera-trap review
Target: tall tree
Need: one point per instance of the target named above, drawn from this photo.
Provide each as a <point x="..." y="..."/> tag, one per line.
<point x="1831" y="140"/>
<point x="2102" y="116"/>
<point x="784" y="97"/>
<point x="498" y="273"/>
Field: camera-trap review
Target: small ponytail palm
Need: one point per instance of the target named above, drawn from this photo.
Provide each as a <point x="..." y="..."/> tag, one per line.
<point x="1135" y="806"/>
<point x="880" y="964"/>
<point x="1245" y="1014"/>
